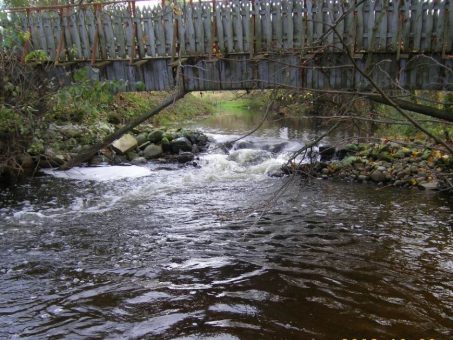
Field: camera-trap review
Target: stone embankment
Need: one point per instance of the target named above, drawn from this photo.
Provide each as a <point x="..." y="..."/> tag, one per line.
<point x="137" y="147"/>
<point x="387" y="164"/>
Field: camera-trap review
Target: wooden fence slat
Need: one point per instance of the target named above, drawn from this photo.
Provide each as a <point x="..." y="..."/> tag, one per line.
<point x="288" y="24"/>
<point x="189" y="30"/>
<point x="207" y="27"/>
<point x="219" y="24"/>
<point x="318" y="22"/>
<point x="237" y="26"/>
<point x="405" y="26"/>
<point x="199" y="29"/>
<point x="359" y="27"/>
<point x="392" y="25"/>
<point x="438" y="21"/>
<point x="109" y="35"/>
<point x="227" y="27"/>
<point x="140" y="36"/>
<point x="449" y="41"/>
<point x="266" y="24"/>
<point x="417" y="24"/>
<point x="298" y="25"/>
<point x="84" y="35"/>
<point x="257" y="25"/>
<point x="428" y="22"/>
<point x="276" y="15"/>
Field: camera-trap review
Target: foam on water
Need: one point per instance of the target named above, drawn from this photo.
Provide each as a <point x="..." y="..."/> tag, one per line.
<point x="103" y="173"/>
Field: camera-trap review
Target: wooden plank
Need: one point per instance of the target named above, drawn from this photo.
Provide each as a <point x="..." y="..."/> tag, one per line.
<point x="129" y="33"/>
<point x="199" y="29"/>
<point x="340" y="25"/>
<point x="382" y="19"/>
<point x="101" y="34"/>
<point x="159" y="30"/>
<point x="449" y="39"/>
<point x="436" y="44"/>
<point x="405" y="26"/>
<point x="327" y="23"/>
<point x="266" y="25"/>
<point x="247" y="28"/>
<point x="168" y="27"/>
<point x="109" y="35"/>
<point x="228" y="28"/>
<point x="369" y="21"/>
<point x="150" y="40"/>
<point x="48" y="32"/>
<point x="140" y="35"/>
<point x="317" y="21"/>
<point x="207" y="27"/>
<point x="237" y="26"/>
<point x="393" y="26"/>
<point x="276" y="15"/>
<point x="219" y="24"/>
<point x="428" y="22"/>
<point x="359" y="28"/>
<point x="41" y="33"/>
<point x="416" y="24"/>
<point x="91" y="27"/>
<point x="257" y="25"/>
<point x="85" y="42"/>
<point x="189" y="30"/>
<point x="298" y="25"/>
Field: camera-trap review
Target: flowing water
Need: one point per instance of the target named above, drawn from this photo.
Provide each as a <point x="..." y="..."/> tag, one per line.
<point x="179" y="252"/>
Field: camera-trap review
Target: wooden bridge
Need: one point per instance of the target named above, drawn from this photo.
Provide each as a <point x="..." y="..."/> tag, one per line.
<point x="223" y="45"/>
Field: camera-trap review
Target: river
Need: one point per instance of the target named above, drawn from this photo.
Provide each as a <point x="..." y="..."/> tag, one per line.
<point x="181" y="253"/>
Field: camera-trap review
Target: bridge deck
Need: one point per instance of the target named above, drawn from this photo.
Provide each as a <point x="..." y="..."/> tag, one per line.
<point x="247" y="44"/>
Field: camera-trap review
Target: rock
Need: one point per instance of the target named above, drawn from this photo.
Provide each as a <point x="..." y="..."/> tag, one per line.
<point x="152" y="151"/>
<point x="195" y="149"/>
<point x="277" y="148"/>
<point x="120" y="159"/>
<point x="155" y="136"/>
<point x="181" y="144"/>
<point x="98" y="160"/>
<point x="362" y="178"/>
<point x="434" y="185"/>
<point x="326" y="152"/>
<point x="243" y="144"/>
<point x="381" y="168"/>
<point x="138" y="161"/>
<point x="166" y="147"/>
<point x="125" y="144"/>
<point x="131" y="155"/>
<point x="325" y="171"/>
<point x="185" y="157"/>
<point x="377" y="176"/>
<point x="70" y="131"/>
<point x="142" y="138"/>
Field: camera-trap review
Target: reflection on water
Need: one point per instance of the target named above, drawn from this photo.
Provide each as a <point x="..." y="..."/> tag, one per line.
<point x="180" y="254"/>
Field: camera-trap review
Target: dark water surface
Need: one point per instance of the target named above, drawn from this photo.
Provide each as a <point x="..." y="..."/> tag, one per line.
<point x="179" y="254"/>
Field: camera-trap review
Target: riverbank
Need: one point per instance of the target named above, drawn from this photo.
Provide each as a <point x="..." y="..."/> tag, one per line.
<point x="385" y="164"/>
<point x="67" y="128"/>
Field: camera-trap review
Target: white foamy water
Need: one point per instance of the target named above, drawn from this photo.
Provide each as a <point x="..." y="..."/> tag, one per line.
<point x="104" y="173"/>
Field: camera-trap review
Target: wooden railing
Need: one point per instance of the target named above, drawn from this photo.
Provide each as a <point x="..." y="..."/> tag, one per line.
<point x="126" y="31"/>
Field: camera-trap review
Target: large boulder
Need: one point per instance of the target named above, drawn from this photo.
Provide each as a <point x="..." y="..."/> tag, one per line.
<point x="152" y="151"/>
<point x="155" y="136"/>
<point x="125" y="144"/>
<point x="378" y="176"/>
<point x="185" y="157"/>
<point x="181" y="144"/>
